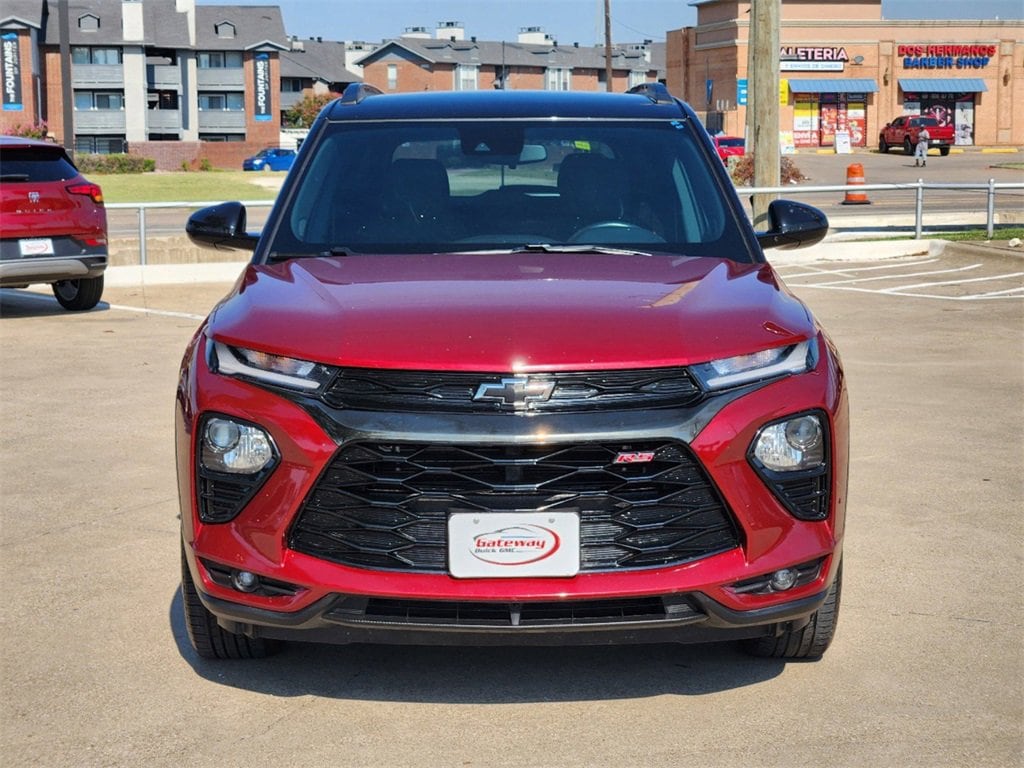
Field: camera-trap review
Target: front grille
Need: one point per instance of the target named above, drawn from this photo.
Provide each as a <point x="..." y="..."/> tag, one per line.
<point x="455" y="392"/>
<point x="386" y="505"/>
<point x="565" y="613"/>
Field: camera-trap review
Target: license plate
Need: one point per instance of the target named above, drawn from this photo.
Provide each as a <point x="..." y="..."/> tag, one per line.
<point x="513" y="544"/>
<point x="40" y="246"/>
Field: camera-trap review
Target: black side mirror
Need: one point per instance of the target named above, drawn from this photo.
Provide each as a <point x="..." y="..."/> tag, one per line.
<point x="221" y="227"/>
<point x="793" y="225"/>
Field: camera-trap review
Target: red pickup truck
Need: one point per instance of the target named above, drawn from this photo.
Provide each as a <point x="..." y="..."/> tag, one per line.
<point x="903" y="132"/>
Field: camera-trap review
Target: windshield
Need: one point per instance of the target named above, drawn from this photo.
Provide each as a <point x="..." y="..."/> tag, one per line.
<point x="427" y="187"/>
<point x="724" y="141"/>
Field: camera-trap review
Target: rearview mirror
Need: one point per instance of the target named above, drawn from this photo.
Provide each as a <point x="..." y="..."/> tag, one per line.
<point x="221" y="227"/>
<point x="793" y="225"/>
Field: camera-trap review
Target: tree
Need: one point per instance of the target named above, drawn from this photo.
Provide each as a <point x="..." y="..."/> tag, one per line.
<point x="304" y="112"/>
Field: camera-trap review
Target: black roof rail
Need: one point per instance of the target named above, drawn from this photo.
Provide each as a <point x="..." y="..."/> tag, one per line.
<point x="656" y="92"/>
<point x="356" y="92"/>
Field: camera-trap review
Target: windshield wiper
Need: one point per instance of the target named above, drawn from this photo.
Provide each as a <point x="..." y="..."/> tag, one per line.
<point x="336" y="250"/>
<point x="574" y="248"/>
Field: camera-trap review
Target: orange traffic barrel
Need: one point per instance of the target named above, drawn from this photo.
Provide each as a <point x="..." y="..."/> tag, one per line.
<point x="855" y="177"/>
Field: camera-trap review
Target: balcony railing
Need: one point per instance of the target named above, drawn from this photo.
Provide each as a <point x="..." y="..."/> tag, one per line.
<point x="163" y="120"/>
<point x="99" y="120"/>
<point x="221" y="120"/>
<point x="97" y="74"/>
<point x="163" y="76"/>
<point x="220" y="77"/>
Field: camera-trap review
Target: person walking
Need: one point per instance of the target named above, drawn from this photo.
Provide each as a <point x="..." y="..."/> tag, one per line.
<point x="921" y="150"/>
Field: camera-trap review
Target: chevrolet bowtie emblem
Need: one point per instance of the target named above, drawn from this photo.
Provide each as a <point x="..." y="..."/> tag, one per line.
<point x="518" y="391"/>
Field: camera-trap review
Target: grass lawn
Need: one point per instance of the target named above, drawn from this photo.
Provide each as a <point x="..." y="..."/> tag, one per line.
<point x="198" y="186"/>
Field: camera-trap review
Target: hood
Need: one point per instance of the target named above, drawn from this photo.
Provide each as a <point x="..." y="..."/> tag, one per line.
<point x="510" y="312"/>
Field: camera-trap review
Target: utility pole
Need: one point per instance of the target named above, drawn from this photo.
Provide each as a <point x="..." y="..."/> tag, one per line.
<point x="764" y="87"/>
<point x="608" y="45"/>
<point x="67" y="102"/>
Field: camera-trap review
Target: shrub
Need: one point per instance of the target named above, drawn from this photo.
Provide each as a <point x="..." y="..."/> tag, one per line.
<point x="205" y="164"/>
<point x="305" y="111"/>
<point x="743" y="172"/>
<point x="115" y="163"/>
<point x="29" y="130"/>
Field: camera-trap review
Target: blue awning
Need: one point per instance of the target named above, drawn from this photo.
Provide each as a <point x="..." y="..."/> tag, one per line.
<point x="834" y="85"/>
<point x="942" y="85"/>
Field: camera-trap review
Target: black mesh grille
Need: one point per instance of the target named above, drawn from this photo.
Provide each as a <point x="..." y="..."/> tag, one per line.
<point x="385" y="506"/>
<point x="806" y="495"/>
<point x="221" y="497"/>
<point x="453" y="391"/>
<point x="550" y="614"/>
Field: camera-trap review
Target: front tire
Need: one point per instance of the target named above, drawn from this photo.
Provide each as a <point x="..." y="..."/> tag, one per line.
<point x="908" y="148"/>
<point x="883" y="146"/>
<point x="809" y="642"/>
<point x="79" y="295"/>
<point x="208" y="638"/>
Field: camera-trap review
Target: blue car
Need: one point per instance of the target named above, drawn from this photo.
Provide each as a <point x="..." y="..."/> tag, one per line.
<point x="270" y="160"/>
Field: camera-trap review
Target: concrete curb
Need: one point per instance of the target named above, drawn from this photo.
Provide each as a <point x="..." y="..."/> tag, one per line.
<point x="173" y="274"/>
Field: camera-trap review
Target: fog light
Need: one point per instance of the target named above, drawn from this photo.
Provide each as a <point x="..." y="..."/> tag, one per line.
<point x="235" y="447"/>
<point x="787" y="446"/>
<point x="244" y="581"/>
<point x="784" y="579"/>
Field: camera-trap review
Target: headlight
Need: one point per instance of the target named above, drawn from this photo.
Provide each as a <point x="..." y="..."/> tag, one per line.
<point x="278" y="370"/>
<point x="766" y="364"/>
<point x="234" y="447"/>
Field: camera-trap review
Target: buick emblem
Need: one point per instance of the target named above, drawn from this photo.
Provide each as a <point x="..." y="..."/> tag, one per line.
<point x="517" y="391"/>
<point x="33" y="197"/>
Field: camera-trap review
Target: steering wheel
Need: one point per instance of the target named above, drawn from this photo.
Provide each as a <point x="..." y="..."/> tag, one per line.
<point x="615" y="232"/>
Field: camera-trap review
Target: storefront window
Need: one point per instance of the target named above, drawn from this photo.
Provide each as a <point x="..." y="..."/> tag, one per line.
<point x="956" y="109"/>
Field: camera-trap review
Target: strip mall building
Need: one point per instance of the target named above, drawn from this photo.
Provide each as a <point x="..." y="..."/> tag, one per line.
<point x="843" y="68"/>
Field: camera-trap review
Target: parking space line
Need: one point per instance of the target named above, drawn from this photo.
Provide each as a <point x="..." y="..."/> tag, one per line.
<point x="991" y="294"/>
<point x="911" y="274"/>
<point x="882" y="292"/>
<point x="122" y="307"/>
<point x="850" y="270"/>
<point x="898" y="288"/>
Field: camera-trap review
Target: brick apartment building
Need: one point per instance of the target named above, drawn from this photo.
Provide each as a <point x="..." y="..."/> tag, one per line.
<point x="855" y="71"/>
<point x="448" y="61"/>
<point x="164" y="78"/>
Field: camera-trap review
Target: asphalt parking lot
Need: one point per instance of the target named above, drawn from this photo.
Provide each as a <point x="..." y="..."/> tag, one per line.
<point x="926" y="670"/>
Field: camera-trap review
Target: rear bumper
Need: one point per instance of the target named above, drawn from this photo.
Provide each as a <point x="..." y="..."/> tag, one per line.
<point x="50" y="269"/>
<point x="682" y="618"/>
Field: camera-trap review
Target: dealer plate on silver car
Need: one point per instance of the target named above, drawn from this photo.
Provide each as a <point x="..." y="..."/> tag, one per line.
<point x="513" y="544"/>
<point x="37" y="246"/>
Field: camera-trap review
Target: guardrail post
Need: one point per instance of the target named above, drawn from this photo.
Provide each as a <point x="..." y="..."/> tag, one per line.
<point x="919" y="210"/>
<point x="990" y="217"/>
<point x="142" y="235"/>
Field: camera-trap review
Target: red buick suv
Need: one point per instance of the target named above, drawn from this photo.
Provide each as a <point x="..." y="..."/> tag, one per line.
<point x="510" y="368"/>
<point x="53" y="225"/>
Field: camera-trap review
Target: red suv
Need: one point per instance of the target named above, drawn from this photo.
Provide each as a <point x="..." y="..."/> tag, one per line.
<point x="53" y="223"/>
<point x="510" y="367"/>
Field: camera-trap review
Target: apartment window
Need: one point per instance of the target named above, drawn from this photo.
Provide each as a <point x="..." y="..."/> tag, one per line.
<point x="225" y="102"/>
<point x="98" y="100"/>
<point x="558" y="79"/>
<point x="637" y="77"/>
<point x="291" y="85"/>
<point x="466" y="77"/>
<point x="392" y="76"/>
<point x="100" y="145"/>
<point x="83" y="54"/>
<point x="222" y="137"/>
<point x="162" y="99"/>
<point x="220" y="60"/>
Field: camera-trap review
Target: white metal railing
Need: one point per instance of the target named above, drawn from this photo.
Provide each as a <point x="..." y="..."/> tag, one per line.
<point x="991" y="187"/>
<point x="143" y="207"/>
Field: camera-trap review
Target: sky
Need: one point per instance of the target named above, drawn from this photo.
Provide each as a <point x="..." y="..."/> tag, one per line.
<point x="567" y="21"/>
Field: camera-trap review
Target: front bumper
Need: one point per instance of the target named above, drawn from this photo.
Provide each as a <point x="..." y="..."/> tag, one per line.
<point x="685" y="618"/>
<point x="340" y="603"/>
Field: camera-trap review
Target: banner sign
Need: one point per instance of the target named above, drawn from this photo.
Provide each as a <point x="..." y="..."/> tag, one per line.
<point x="10" y="58"/>
<point x="261" y="89"/>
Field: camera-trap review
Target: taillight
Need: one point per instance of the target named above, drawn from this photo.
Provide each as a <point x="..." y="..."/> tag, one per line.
<point x="87" y="189"/>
